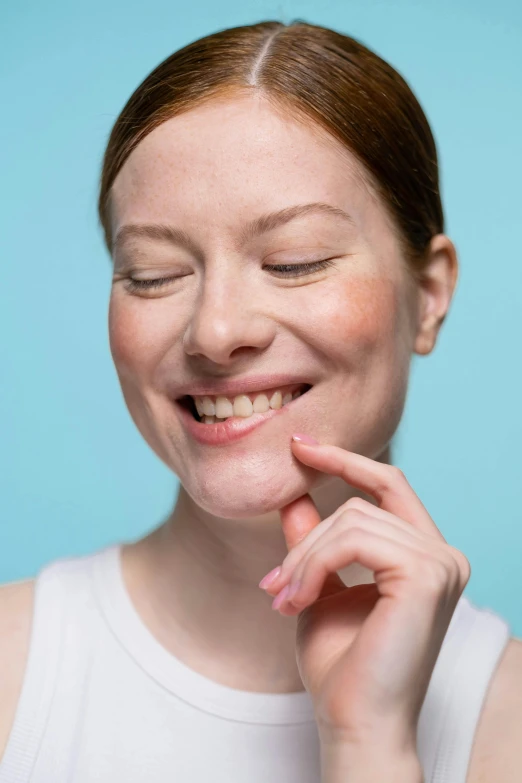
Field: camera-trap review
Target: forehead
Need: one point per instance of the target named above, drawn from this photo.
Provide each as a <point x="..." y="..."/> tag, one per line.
<point x="224" y="161"/>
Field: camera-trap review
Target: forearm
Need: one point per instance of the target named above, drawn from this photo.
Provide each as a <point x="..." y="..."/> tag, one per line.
<point x="344" y="765"/>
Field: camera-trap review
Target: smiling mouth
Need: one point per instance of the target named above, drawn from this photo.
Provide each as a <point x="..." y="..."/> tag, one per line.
<point x="274" y="402"/>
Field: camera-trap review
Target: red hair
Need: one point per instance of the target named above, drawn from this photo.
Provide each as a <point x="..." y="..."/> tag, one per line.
<point x="319" y="75"/>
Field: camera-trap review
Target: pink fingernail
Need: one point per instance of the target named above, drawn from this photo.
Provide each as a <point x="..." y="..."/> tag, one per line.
<point x="272" y="575"/>
<point x="306" y="439"/>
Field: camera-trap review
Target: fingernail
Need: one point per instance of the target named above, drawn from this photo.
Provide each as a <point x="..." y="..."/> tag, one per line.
<point x="270" y="577"/>
<point x="306" y="439"/>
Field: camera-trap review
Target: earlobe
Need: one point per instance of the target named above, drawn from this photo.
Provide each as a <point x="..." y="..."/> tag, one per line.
<point x="426" y="338"/>
<point x="437" y="287"/>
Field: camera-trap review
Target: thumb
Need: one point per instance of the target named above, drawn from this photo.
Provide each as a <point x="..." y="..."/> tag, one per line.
<point x="298" y="518"/>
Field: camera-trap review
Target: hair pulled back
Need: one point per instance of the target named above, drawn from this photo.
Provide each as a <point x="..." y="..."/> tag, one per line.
<point x="330" y="78"/>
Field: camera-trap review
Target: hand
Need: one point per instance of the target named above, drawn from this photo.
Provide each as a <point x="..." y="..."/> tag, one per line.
<point x="366" y="653"/>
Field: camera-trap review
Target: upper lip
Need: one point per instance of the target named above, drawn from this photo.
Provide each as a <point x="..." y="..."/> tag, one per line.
<point x="233" y="387"/>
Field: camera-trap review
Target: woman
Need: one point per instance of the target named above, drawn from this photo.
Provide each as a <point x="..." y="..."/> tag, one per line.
<point x="270" y="201"/>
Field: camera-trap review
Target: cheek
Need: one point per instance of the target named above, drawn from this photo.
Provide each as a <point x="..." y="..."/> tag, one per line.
<point x="366" y="336"/>
<point x="362" y="315"/>
<point x="137" y="335"/>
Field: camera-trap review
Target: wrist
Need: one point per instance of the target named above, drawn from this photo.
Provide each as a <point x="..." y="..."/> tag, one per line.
<point x="340" y="764"/>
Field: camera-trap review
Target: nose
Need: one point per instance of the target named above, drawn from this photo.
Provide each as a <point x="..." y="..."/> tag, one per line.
<point x="229" y="319"/>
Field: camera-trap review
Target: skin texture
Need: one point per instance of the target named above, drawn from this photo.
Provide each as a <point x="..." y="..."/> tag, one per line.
<point x="351" y="330"/>
<point x="354" y="328"/>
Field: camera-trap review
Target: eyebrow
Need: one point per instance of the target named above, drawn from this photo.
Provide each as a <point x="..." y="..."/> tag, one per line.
<point x="257" y="226"/>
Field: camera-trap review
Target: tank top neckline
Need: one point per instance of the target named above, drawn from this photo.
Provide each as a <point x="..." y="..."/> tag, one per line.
<point x="171" y="673"/>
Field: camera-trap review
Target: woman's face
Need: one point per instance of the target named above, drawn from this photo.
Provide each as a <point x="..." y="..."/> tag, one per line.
<point x="348" y="330"/>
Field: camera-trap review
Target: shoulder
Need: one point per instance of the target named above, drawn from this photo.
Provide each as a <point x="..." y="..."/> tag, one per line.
<point x="497" y="749"/>
<point x="16" y="613"/>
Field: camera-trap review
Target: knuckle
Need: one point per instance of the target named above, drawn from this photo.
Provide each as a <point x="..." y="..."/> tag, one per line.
<point x="396" y="474"/>
<point x="390" y="478"/>
<point x="462" y="564"/>
<point x="351" y="538"/>
<point x="357" y="504"/>
<point x="352" y="518"/>
<point x="355" y="539"/>
<point x="432" y="576"/>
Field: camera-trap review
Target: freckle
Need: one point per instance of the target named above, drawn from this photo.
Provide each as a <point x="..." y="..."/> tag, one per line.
<point x="370" y="306"/>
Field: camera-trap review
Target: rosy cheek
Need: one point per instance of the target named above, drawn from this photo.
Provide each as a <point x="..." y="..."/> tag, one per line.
<point x="137" y="338"/>
<point x="363" y="311"/>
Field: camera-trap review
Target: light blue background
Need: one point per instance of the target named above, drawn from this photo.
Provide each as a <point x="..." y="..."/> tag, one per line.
<point x="75" y="473"/>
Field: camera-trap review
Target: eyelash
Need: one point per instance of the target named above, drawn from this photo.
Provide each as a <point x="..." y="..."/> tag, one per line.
<point x="285" y="269"/>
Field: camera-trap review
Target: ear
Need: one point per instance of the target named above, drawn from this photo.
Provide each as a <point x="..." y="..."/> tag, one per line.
<point x="435" y="291"/>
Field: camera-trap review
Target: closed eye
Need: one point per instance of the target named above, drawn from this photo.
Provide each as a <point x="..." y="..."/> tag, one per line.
<point x="296" y="270"/>
<point x="288" y="270"/>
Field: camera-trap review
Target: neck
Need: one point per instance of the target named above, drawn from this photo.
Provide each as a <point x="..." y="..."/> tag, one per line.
<point x="194" y="581"/>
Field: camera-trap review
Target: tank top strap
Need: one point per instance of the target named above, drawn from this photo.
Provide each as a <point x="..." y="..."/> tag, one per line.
<point x="58" y="587"/>
<point x="468" y="660"/>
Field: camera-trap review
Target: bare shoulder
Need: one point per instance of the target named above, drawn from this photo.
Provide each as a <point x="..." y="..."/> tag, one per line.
<point x="16" y="613"/>
<point x="497" y="750"/>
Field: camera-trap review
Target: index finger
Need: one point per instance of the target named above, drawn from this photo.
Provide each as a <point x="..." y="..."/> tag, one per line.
<point x="386" y="483"/>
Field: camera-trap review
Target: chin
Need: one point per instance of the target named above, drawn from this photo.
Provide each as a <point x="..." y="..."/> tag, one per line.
<point x="249" y="497"/>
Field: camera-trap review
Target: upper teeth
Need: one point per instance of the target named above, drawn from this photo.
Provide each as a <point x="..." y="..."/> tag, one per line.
<point x="243" y="405"/>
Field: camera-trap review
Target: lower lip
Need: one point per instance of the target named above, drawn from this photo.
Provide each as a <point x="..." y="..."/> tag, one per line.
<point x="228" y="431"/>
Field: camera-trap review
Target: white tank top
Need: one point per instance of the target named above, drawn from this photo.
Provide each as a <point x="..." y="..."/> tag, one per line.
<point x="102" y="701"/>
